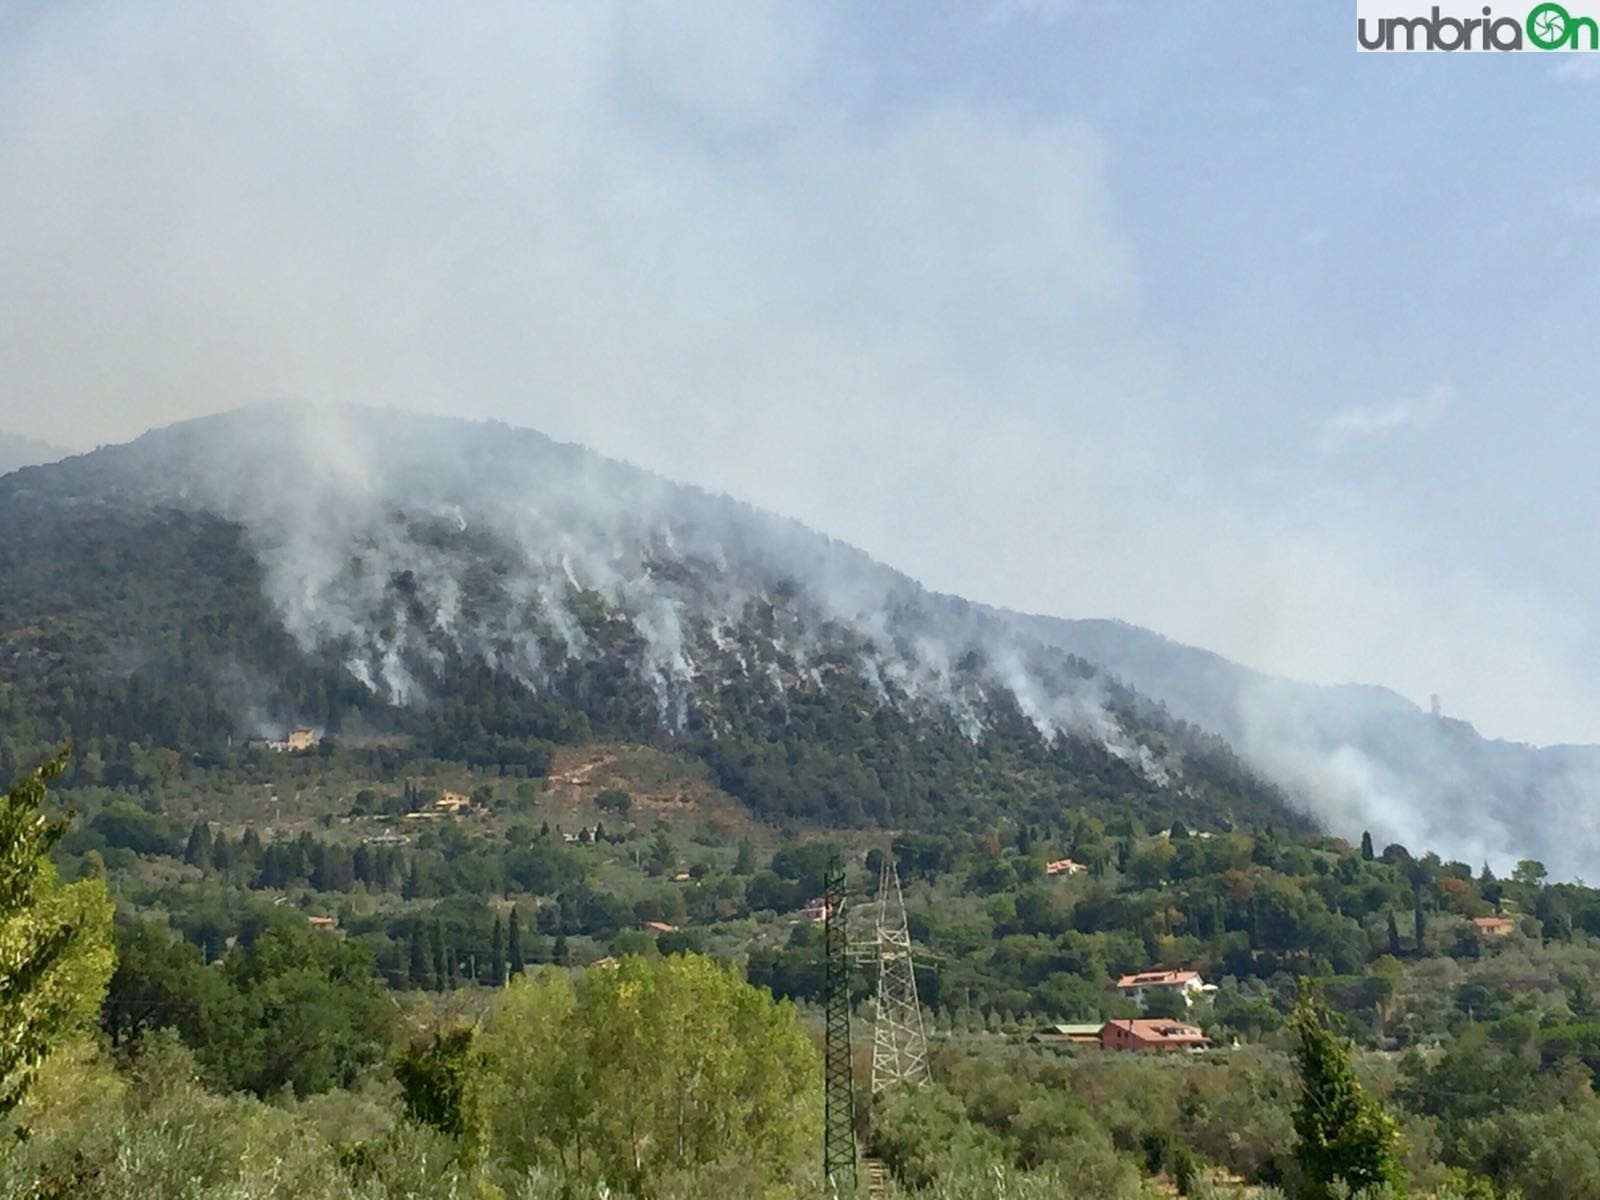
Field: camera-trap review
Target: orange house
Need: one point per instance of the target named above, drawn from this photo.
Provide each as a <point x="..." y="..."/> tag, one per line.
<point x="1152" y="1035"/>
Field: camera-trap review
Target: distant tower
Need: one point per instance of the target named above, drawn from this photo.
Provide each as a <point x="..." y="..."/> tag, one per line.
<point x="838" y="1084"/>
<point x="899" y="1048"/>
<point x="1438" y="706"/>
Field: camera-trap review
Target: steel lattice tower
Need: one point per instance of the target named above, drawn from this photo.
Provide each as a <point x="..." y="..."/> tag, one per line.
<point x="899" y="1047"/>
<point x="839" y="1118"/>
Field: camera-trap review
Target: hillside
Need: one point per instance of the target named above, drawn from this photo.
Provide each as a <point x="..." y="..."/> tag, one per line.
<point x="1364" y="757"/>
<point x="484" y="594"/>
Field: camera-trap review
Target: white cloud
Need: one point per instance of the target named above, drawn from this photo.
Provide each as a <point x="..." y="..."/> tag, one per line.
<point x="1578" y="67"/>
<point x="1409" y="414"/>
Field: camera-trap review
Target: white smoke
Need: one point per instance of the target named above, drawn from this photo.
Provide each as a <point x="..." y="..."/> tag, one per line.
<point x="396" y="541"/>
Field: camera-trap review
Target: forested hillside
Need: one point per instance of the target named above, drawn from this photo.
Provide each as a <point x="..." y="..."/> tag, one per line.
<point x="1361" y="756"/>
<point x="173" y="598"/>
<point x="469" y="841"/>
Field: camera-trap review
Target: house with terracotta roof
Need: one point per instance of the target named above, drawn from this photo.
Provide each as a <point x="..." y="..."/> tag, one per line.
<point x="1063" y="866"/>
<point x="1152" y="1035"/>
<point x="1138" y="987"/>
<point x="657" y="927"/>
<point x="1495" y="926"/>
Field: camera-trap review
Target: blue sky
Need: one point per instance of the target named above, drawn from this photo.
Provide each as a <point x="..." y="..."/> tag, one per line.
<point x="1186" y="314"/>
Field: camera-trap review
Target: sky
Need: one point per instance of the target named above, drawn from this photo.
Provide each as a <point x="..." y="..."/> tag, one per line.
<point x="1185" y="315"/>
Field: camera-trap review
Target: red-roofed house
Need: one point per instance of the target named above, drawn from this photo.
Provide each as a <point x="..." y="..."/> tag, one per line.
<point x="1063" y="866"/>
<point x="1152" y="1035"/>
<point x="1495" y="926"/>
<point x="1137" y="987"/>
<point x="658" y="927"/>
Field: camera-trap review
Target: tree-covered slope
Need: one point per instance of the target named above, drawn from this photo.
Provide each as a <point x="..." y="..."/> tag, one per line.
<point x="1363" y="757"/>
<point x="485" y="592"/>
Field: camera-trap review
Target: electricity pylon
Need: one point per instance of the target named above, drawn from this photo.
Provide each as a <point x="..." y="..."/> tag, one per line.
<point x="899" y="1047"/>
<point x="838" y="1095"/>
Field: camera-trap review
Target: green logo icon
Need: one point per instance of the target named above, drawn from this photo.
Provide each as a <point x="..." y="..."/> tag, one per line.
<point x="1551" y="27"/>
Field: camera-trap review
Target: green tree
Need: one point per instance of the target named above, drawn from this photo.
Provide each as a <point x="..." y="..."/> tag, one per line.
<point x="497" y="953"/>
<point x="651" y="1067"/>
<point x="161" y="983"/>
<point x="56" y="955"/>
<point x="197" y="851"/>
<point x="435" y="1078"/>
<point x="1366" y="846"/>
<point x="420" y="959"/>
<point x="745" y="863"/>
<point x="1344" y="1134"/>
<point x="312" y="1014"/>
<point x="1530" y="872"/>
<point x="514" y="946"/>
<point x="441" y="977"/>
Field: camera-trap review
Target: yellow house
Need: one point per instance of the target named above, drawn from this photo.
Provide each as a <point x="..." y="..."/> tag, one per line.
<point x="453" y="803"/>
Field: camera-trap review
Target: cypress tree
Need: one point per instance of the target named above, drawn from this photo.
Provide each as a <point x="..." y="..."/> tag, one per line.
<point x="197" y="852"/>
<point x="497" y="952"/>
<point x="1344" y="1134"/>
<point x="1366" y="846"/>
<point x="745" y="864"/>
<point x="1420" y="921"/>
<point x="439" y="979"/>
<point x="421" y="959"/>
<point x="514" y="946"/>
<point x="1394" y="935"/>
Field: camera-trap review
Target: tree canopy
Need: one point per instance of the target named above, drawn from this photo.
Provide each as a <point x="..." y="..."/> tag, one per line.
<point x="55" y="940"/>
<point x="649" y="1067"/>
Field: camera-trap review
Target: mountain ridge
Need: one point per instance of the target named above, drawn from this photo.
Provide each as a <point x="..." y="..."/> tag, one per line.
<point x="493" y="590"/>
<point x="1359" y="753"/>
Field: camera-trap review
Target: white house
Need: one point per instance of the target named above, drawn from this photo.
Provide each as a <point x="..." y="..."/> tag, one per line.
<point x="1187" y="983"/>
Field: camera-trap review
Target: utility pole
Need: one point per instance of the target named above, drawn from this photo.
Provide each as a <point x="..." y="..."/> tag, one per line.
<point x="899" y="1046"/>
<point x="838" y="1097"/>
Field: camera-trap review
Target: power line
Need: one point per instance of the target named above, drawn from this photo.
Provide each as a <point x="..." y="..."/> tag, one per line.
<point x="838" y="1094"/>
<point x="899" y="1045"/>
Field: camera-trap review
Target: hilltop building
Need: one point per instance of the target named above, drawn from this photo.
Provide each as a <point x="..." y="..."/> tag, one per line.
<point x="1188" y="983"/>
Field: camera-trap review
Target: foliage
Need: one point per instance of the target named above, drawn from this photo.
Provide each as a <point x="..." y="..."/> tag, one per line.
<point x="55" y="941"/>
<point x="1345" y="1135"/>
<point x="651" y="1067"/>
<point x="435" y="1078"/>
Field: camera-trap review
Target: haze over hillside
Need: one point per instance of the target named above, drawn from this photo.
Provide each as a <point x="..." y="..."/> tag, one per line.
<point x="284" y="564"/>
<point x="404" y="545"/>
<point x="17" y="452"/>
<point x="1363" y="757"/>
